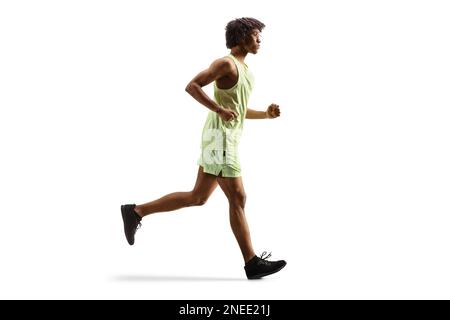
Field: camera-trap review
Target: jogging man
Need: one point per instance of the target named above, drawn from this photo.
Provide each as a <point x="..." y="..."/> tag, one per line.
<point x="219" y="159"/>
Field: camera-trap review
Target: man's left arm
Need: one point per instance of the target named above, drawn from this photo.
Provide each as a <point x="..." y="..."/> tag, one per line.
<point x="273" y="111"/>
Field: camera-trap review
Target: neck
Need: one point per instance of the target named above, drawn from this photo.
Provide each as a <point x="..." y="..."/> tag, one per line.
<point x="239" y="53"/>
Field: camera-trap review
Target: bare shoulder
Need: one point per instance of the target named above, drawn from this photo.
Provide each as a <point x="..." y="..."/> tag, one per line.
<point x="222" y="65"/>
<point x="219" y="68"/>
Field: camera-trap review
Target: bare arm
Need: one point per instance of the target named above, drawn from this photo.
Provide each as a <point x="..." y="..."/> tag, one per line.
<point x="254" y="114"/>
<point x="273" y="111"/>
<point x="218" y="69"/>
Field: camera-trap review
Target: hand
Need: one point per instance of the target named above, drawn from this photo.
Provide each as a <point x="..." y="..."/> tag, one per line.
<point x="227" y="115"/>
<point x="273" y="111"/>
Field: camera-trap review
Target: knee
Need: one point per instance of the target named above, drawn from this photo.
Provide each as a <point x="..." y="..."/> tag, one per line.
<point x="198" y="200"/>
<point x="238" y="199"/>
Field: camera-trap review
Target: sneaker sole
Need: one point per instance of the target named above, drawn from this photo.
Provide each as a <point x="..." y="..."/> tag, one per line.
<point x="122" y="209"/>
<point x="266" y="274"/>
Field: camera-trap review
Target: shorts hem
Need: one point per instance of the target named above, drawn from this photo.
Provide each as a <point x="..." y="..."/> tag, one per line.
<point x="224" y="173"/>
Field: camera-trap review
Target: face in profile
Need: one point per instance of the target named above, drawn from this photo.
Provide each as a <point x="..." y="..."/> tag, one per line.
<point x="253" y="41"/>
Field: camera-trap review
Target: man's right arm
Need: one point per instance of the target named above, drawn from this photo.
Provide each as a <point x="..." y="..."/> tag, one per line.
<point x="218" y="69"/>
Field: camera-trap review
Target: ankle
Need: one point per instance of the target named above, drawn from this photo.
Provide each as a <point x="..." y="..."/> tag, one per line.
<point x="138" y="211"/>
<point x="248" y="258"/>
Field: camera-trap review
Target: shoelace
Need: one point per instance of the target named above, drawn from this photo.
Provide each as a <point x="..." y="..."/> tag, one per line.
<point x="266" y="256"/>
<point x="139" y="225"/>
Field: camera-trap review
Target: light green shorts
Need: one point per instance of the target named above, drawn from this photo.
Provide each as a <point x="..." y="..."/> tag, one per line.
<point x="228" y="170"/>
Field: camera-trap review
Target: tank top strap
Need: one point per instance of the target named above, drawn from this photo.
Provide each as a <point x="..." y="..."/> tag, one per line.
<point x="236" y="62"/>
<point x="239" y="64"/>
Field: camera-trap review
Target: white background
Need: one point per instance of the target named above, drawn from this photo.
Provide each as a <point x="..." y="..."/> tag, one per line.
<point x="350" y="185"/>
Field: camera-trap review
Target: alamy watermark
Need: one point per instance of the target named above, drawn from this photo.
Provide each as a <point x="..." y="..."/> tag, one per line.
<point x="219" y="145"/>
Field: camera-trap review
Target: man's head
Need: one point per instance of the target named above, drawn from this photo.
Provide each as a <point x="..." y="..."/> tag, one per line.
<point x="244" y="32"/>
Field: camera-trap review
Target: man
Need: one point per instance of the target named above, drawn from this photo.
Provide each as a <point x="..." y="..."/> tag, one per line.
<point x="219" y="159"/>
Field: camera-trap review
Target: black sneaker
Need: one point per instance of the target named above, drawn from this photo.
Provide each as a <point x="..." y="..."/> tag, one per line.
<point x="131" y="221"/>
<point x="259" y="267"/>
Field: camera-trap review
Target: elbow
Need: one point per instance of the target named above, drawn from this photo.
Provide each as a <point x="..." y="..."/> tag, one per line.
<point x="189" y="87"/>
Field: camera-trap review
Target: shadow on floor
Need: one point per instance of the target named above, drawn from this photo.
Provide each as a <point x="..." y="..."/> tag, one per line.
<point x="162" y="278"/>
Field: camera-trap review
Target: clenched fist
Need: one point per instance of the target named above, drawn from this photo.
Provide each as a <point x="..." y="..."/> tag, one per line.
<point x="227" y="115"/>
<point x="273" y="111"/>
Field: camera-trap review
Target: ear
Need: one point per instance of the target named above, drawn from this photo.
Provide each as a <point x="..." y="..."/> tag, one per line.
<point x="244" y="40"/>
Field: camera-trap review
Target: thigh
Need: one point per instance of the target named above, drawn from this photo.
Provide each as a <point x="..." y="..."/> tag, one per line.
<point x="231" y="186"/>
<point x="206" y="183"/>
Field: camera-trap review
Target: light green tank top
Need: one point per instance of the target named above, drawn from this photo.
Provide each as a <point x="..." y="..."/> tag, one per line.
<point x="236" y="98"/>
<point x="219" y="135"/>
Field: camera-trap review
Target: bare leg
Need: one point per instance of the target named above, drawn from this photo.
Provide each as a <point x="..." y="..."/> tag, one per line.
<point x="204" y="187"/>
<point x="234" y="190"/>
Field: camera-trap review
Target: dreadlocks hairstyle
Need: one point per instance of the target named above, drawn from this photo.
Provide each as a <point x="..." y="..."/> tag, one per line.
<point x="240" y="29"/>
